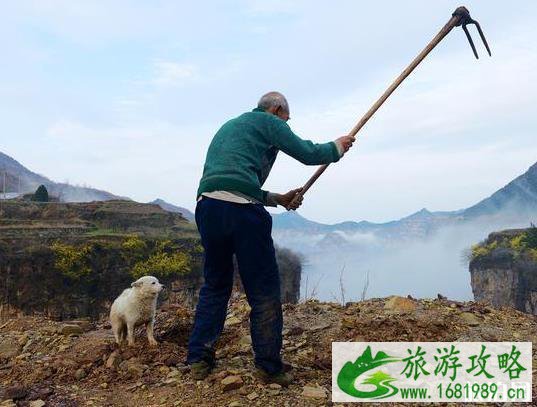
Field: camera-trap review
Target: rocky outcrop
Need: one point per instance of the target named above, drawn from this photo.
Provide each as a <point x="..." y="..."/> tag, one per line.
<point x="503" y="270"/>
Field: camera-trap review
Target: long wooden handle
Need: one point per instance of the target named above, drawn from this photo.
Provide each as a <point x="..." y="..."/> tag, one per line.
<point x="453" y="22"/>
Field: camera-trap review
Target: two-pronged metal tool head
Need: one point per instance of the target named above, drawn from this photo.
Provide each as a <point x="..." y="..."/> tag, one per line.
<point x="464" y="20"/>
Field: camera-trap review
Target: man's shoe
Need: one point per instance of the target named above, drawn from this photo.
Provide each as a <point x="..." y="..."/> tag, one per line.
<point x="284" y="379"/>
<point x="200" y="370"/>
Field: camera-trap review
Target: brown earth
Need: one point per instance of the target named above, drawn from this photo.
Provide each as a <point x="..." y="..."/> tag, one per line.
<point x="77" y="364"/>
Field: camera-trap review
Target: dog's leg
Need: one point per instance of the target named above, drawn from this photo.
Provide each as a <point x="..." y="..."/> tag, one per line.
<point x="123" y="333"/>
<point x="116" y="329"/>
<point x="130" y="333"/>
<point x="150" y="337"/>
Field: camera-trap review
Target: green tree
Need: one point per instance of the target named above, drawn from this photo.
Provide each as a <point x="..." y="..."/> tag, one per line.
<point x="41" y="194"/>
<point x="530" y="237"/>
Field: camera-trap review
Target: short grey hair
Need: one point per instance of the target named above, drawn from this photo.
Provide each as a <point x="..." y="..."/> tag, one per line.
<point x="273" y="99"/>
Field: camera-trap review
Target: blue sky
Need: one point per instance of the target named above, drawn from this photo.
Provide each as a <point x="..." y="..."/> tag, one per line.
<point x="126" y="96"/>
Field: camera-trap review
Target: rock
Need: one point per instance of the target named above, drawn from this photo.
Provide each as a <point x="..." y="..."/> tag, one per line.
<point x="15" y="392"/>
<point x="80" y="374"/>
<point x="7" y="403"/>
<point x="311" y="392"/>
<point x="252" y="396"/>
<point x="85" y="325"/>
<point x="135" y="370"/>
<point x="470" y="319"/>
<point x="231" y="383"/>
<point x="273" y="392"/>
<point x="9" y="348"/>
<point x="274" y="386"/>
<point x="37" y="403"/>
<point x="400" y="304"/>
<point x="173" y="360"/>
<point x="71" y="329"/>
<point x="235" y="403"/>
<point x="23" y="339"/>
<point x="173" y="373"/>
<point x="348" y="323"/>
<point x="113" y="360"/>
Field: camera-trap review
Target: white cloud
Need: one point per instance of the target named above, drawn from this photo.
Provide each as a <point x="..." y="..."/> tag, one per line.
<point x="167" y="73"/>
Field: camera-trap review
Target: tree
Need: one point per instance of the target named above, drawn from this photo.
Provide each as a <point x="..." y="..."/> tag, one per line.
<point x="41" y="195"/>
<point x="530" y="237"/>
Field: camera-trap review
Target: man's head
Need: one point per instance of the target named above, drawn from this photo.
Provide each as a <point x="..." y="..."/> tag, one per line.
<point x="276" y="104"/>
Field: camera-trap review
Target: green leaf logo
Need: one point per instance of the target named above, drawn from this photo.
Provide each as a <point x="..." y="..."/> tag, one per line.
<point x="350" y="372"/>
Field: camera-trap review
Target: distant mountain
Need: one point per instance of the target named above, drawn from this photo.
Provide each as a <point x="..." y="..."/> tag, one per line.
<point x="519" y="195"/>
<point x="173" y="208"/>
<point x="517" y="199"/>
<point x="21" y="179"/>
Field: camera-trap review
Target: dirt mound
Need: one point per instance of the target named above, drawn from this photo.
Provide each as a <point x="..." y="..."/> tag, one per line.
<point x="76" y="363"/>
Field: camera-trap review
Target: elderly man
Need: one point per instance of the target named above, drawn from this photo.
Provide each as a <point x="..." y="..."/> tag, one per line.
<point x="231" y="219"/>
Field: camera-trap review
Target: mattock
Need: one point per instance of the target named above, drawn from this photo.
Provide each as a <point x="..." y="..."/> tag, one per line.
<point x="461" y="16"/>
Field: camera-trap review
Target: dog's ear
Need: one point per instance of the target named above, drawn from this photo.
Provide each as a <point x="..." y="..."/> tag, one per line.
<point x="136" y="284"/>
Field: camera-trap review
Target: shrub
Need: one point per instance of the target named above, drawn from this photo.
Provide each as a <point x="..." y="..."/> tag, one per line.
<point x="483" y="249"/>
<point x="134" y="248"/>
<point x="163" y="265"/>
<point x="71" y="261"/>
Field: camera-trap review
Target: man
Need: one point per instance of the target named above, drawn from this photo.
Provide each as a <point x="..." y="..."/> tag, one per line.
<point x="231" y="219"/>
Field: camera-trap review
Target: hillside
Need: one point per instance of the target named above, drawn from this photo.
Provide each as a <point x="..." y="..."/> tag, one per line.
<point x="69" y="260"/>
<point x="173" y="208"/>
<point x="520" y="195"/>
<point x="38" y="362"/>
<point x="21" y="179"/>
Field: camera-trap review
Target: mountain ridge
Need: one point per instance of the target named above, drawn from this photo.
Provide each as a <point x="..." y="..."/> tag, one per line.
<point x="518" y="195"/>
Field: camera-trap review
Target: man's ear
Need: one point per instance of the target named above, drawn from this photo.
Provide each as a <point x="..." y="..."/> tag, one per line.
<point x="136" y="284"/>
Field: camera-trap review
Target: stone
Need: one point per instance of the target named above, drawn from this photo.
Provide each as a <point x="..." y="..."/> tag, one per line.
<point x="311" y="392"/>
<point x="71" y="329"/>
<point x="134" y="367"/>
<point x="275" y="386"/>
<point x="7" y="403"/>
<point x="252" y="396"/>
<point x="84" y="324"/>
<point x="273" y="392"/>
<point x="16" y="392"/>
<point x="37" y="403"/>
<point x="231" y="383"/>
<point x="80" y="374"/>
<point x="9" y="348"/>
<point x="400" y="304"/>
<point x="113" y="360"/>
<point x="173" y="373"/>
<point x="235" y="403"/>
<point x="23" y="339"/>
<point x="470" y="318"/>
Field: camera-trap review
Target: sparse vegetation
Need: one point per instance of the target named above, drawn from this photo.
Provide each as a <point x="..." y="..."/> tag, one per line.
<point x="71" y="261"/>
<point x="521" y="243"/>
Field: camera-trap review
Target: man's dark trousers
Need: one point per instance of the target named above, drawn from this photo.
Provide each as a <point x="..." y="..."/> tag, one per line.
<point x="228" y="228"/>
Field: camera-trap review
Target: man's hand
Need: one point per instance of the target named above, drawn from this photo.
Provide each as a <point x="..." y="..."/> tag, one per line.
<point x="286" y="200"/>
<point x="345" y="143"/>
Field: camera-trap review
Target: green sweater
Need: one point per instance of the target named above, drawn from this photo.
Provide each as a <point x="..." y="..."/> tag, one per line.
<point x="243" y="151"/>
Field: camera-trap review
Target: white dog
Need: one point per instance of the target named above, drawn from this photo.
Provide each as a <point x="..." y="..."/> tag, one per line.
<point x="135" y="306"/>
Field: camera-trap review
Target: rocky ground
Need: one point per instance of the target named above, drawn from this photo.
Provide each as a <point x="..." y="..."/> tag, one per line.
<point x="48" y="363"/>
